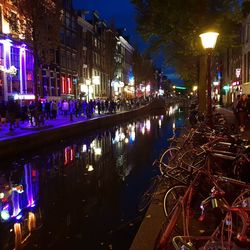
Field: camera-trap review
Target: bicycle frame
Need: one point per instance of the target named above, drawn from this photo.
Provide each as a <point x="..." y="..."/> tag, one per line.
<point x="183" y="205"/>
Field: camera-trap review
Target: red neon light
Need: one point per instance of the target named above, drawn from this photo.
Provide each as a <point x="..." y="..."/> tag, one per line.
<point x="68" y="155"/>
<point x="69" y="85"/>
<point x="33" y="173"/>
<point x="29" y="76"/>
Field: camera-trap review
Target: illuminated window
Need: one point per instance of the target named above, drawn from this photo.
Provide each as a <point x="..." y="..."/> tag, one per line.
<point x="63" y="86"/>
<point x="69" y="83"/>
<point x="15" y="57"/>
<point x="15" y="60"/>
<point x="29" y="71"/>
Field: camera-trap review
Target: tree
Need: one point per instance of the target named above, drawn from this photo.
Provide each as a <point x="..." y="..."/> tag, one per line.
<point x="143" y="68"/>
<point x="175" y="25"/>
<point x="137" y="68"/>
<point x="38" y="22"/>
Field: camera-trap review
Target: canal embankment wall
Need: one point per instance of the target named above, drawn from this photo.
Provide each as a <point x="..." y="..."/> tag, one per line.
<point x="15" y="145"/>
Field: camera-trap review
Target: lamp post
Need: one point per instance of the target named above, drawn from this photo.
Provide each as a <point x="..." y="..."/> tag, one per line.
<point x="208" y="41"/>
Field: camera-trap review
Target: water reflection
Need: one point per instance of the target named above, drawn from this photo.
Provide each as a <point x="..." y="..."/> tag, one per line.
<point x="19" y="189"/>
<point x="84" y="188"/>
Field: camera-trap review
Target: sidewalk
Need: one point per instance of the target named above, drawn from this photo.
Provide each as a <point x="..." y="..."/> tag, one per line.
<point x="25" y="127"/>
<point x="229" y="116"/>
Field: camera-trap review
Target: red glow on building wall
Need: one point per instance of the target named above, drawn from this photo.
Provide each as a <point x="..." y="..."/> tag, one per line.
<point x="29" y="76"/>
<point x="66" y="85"/>
<point x="68" y="155"/>
<point x="69" y="85"/>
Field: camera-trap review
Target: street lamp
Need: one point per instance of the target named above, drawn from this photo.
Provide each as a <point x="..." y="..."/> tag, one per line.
<point x="208" y="41"/>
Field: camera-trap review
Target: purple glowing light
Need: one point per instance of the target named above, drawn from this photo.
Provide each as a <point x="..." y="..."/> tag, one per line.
<point x="18" y="217"/>
<point x="16" y="204"/>
<point x="23" y="64"/>
<point x="22" y="74"/>
<point x="6" y="206"/>
<point x="6" y="41"/>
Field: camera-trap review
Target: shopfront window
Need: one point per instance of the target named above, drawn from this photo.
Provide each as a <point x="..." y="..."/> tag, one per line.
<point x="29" y="71"/>
<point x="63" y="85"/>
<point x="14" y="79"/>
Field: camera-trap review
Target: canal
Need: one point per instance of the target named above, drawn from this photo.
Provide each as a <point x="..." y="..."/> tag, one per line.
<point x="84" y="193"/>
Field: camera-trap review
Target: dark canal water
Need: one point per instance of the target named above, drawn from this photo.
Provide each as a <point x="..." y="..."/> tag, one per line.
<point x="83" y="193"/>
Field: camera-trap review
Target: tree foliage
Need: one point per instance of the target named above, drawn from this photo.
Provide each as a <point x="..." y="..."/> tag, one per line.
<point x="142" y="67"/>
<point x="175" y="25"/>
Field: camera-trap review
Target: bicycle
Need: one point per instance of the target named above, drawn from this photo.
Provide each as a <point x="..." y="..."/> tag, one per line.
<point x="188" y="203"/>
<point x="236" y="224"/>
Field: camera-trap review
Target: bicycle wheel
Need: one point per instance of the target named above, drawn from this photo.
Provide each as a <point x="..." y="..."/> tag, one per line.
<point x="171" y="198"/>
<point x="168" y="159"/>
<point x="235" y="225"/>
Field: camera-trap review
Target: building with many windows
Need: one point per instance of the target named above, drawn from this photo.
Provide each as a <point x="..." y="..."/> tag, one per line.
<point x="78" y="68"/>
<point x="58" y="78"/>
<point x="126" y="86"/>
<point x="68" y="52"/>
<point x="96" y="42"/>
<point x="85" y="88"/>
<point x="16" y="61"/>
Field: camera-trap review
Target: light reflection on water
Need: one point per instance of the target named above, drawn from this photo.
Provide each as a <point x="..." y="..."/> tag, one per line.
<point x="85" y="191"/>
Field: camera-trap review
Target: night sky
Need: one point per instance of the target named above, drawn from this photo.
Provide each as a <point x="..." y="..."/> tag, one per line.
<point x="123" y="13"/>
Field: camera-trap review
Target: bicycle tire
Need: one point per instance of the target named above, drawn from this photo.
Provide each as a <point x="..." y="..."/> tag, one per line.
<point x="233" y="225"/>
<point x="166" y="158"/>
<point x="174" y="192"/>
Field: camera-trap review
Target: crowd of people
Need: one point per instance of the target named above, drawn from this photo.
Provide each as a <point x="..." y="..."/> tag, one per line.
<point x="36" y="112"/>
<point x="241" y="109"/>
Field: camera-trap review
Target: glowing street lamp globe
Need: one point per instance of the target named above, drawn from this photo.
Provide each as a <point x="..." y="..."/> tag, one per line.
<point x="209" y="39"/>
